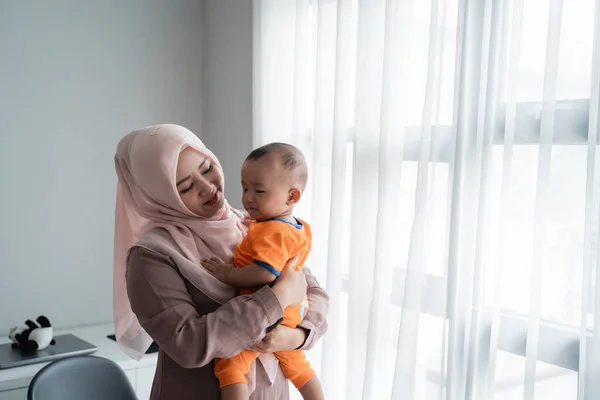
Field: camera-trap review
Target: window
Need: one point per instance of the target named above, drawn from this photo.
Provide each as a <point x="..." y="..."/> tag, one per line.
<point x="506" y="249"/>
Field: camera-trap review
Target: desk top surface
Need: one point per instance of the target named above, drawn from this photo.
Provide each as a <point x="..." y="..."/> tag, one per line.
<point x="18" y="377"/>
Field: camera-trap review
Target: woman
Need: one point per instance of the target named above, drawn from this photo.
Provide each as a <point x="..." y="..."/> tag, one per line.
<point x="170" y="214"/>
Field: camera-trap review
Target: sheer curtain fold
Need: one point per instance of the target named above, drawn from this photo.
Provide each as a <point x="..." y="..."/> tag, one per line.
<point x="332" y="345"/>
<point x="542" y="196"/>
<point x="513" y="28"/>
<point x="454" y="189"/>
<point x="589" y="348"/>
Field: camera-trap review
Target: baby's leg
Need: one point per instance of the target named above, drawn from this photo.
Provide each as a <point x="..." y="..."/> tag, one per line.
<point x="236" y="391"/>
<point x="231" y="374"/>
<point x="312" y="390"/>
<point x="297" y="369"/>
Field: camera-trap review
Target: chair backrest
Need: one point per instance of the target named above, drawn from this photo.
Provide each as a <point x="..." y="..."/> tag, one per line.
<point x="81" y="377"/>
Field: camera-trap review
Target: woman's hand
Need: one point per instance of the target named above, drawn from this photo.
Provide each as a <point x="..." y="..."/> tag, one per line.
<point x="290" y="287"/>
<point x="282" y="338"/>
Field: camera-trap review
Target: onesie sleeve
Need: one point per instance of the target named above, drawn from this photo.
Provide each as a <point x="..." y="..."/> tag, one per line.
<point x="272" y="248"/>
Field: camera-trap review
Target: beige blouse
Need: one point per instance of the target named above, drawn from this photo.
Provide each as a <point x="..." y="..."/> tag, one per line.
<point x="192" y="329"/>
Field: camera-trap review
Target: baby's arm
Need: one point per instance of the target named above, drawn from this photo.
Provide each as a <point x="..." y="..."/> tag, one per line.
<point x="249" y="276"/>
<point x="271" y="249"/>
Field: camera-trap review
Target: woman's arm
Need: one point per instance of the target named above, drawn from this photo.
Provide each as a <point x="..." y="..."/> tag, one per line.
<point x="315" y="320"/>
<point x="310" y="330"/>
<point x="161" y="302"/>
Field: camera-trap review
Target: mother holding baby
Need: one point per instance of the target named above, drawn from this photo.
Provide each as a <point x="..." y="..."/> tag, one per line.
<point x="171" y="214"/>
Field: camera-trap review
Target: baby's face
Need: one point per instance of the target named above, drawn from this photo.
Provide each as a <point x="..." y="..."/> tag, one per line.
<point x="266" y="188"/>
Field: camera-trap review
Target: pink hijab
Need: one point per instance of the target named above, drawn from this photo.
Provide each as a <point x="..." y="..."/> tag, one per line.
<point x="147" y="198"/>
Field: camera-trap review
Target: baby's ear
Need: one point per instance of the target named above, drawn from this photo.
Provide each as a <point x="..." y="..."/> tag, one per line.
<point x="294" y="196"/>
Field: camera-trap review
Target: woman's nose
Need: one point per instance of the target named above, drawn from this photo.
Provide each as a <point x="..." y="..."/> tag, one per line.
<point x="204" y="187"/>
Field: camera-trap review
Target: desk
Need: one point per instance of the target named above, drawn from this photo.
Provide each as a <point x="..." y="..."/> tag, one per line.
<point x="14" y="381"/>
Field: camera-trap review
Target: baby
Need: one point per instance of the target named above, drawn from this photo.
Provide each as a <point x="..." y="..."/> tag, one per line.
<point x="273" y="179"/>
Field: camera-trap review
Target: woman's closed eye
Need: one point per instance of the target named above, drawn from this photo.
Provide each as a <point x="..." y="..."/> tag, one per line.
<point x="186" y="190"/>
<point x="210" y="168"/>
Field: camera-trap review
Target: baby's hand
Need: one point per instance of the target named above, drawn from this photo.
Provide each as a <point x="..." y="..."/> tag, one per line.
<point x="247" y="220"/>
<point x="217" y="268"/>
<point x="244" y="216"/>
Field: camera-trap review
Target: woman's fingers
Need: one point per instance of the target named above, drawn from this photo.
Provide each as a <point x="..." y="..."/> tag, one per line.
<point x="291" y="263"/>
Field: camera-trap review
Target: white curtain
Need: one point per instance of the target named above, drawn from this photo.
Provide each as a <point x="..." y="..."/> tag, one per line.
<point x="454" y="189"/>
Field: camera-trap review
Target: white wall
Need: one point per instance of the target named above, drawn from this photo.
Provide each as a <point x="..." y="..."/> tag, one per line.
<point x="227" y="85"/>
<point x="75" y="76"/>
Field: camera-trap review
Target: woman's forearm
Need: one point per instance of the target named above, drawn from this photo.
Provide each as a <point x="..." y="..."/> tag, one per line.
<point x="315" y="320"/>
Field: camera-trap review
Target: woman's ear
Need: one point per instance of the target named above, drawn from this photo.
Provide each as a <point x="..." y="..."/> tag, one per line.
<point x="293" y="196"/>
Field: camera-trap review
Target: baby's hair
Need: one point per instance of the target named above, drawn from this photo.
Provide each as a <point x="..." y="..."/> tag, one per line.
<point x="290" y="156"/>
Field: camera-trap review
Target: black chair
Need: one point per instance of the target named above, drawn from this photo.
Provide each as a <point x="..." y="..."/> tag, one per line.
<point x="81" y="378"/>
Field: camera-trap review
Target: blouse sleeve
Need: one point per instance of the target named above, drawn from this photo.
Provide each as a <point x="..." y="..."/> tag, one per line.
<point x="315" y="320"/>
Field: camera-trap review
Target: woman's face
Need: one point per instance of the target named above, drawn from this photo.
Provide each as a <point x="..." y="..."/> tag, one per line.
<point x="199" y="183"/>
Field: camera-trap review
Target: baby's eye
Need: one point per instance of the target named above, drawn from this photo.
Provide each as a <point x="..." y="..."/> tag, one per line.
<point x="259" y="191"/>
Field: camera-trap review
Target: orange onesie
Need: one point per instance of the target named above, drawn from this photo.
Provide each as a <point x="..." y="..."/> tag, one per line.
<point x="271" y="244"/>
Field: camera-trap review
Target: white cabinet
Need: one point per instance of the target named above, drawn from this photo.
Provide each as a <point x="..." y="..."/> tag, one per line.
<point x="131" y="375"/>
<point x="144" y="378"/>
<point x="140" y="378"/>
<point x="14" y="381"/>
<point x="16" y="394"/>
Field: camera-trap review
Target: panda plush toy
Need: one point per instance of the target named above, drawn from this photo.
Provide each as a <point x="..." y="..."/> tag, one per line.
<point x="32" y="337"/>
